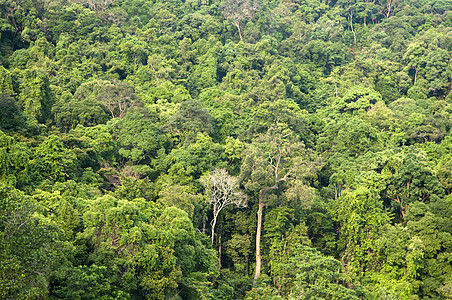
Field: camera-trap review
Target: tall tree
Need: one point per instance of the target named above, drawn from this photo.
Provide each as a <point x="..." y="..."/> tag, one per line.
<point x="275" y="158"/>
<point x="239" y="11"/>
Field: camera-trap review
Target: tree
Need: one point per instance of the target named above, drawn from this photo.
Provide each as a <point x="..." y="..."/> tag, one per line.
<point x="438" y="71"/>
<point x="410" y="179"/>
<point x="29" y="247"/>
<point x="117" y="98"/>
<point x="97" y="5"/>
<point x="358" y="98"/>
<point x="137" y="136"/>
<point x="276" y="157"/>
<point x="360" y="214"/>
<point x="69" y="113"/>
<point x="36" y="97"/>
<point x="148" y="251"/>
<point x="319" y="276"/>
<point x="6" y="82"/>
<point x="239" y="11"/>
<point x="86" y="282"/>
<point x="183" y="197"/>
<point x="223" y="190"/>
<point x="53" y="161"/>
<point x="190" y="120"/>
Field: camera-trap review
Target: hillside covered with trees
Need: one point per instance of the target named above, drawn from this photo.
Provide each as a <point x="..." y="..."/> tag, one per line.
<point x="225" y="149"/>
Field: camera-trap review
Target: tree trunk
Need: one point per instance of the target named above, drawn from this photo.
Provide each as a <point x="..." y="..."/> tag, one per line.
<point x="214" y="221"/>
<point x="219" y="252"/>
<point x="257" y="273"/>
<point x="240" y="32"/>
<point x="351" y="27"/>
<point x="389" y="6"/>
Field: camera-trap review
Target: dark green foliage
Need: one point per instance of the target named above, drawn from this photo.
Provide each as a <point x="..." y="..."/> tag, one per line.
<point x="10" y="116"/>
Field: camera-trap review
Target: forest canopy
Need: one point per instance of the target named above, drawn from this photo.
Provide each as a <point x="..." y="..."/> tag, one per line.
<point x="221" y="149"/>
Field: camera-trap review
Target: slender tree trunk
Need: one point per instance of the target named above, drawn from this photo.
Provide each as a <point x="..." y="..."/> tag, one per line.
<point x="219" y="252"/>
<point x="257" y="273"/>
<point x="262" y="194"/>
<point x="214" y="221"/>
<point x="351" y="27"/>
<point x="389" y="6"/>
<point x="240" y="32"/>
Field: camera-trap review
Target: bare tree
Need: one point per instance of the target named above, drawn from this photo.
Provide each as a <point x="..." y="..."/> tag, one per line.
<point x="223" y="190"/>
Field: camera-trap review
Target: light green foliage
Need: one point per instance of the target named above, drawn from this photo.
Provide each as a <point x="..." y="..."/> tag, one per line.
<point x="36" y="97"/>
<point x="53" y="161"/>
<point x="225" y="118"/>
<point x="360" y="215"/>
<point x="143" y="247"/>
<point x="59" y="210"/>
<point x="402" y="256"/>
<point x="205" y="73"/>
<point x="279" y="112"/>
<point x="14" y="161"/>
<point x="283" y="237"/>
<point x="410" y="179"/>
<point x="351" y="136"/>
<point x="6" y="83"/>
<point x="357" y="99"/>
<point x="29" y="247"/>
<point x="119" y="231"/>
<point x="100" y="138"/>
<point x="195" y="159"/>
<point x="133" y="147"/>
<point x="234" y="150"/>
<point x="182" y="197"/>
<point x="319" y="277"/>
<point x="277" y="152"/>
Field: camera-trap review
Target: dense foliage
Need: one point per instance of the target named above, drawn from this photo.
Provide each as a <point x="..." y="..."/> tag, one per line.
<point x="225" y="149"/>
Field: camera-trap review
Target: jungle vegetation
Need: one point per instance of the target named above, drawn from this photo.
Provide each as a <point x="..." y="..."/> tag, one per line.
<point x="225" y="149"/>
